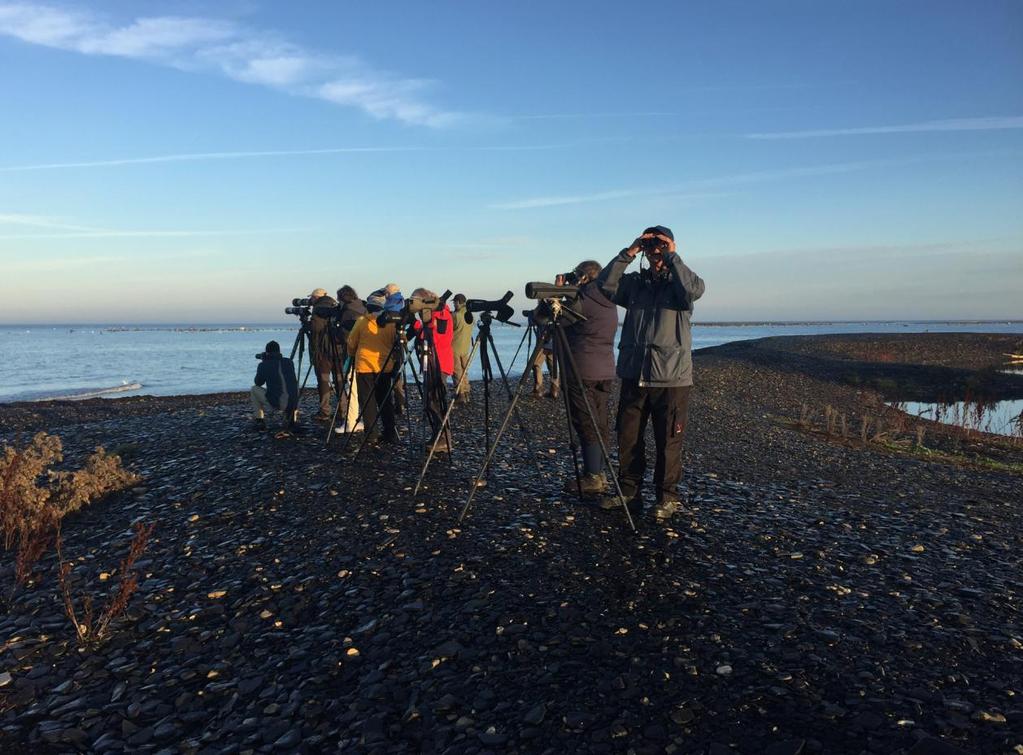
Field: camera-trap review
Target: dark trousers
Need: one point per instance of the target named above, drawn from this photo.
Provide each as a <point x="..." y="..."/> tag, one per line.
<point x="435" y="385"/>
<point x="598" y="393"/>
<point x="669" y="409"/>
<point x="375" y="400"/>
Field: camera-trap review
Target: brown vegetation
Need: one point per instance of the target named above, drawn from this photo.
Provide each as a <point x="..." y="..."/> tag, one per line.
<point x="35" y="498"/>
<point x="86" y="630"/>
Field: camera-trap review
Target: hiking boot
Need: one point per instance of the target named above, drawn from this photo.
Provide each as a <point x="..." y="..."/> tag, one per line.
<point x="589" y="485"/>
<point x="666" y="508"/>
<point x="442" y="445"/>
<point x="611" y="502"/>
<point x="259" y="425"/>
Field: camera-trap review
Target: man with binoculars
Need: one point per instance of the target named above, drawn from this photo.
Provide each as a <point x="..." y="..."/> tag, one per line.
<point x="655" y="362"/>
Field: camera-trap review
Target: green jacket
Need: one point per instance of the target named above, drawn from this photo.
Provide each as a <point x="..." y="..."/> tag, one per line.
<point x="461" y="344"/>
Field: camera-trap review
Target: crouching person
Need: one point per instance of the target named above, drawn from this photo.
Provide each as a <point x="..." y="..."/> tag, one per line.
<point x="276" y="387"/>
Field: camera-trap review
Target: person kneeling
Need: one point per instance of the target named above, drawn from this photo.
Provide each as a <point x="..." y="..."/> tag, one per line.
<point x="277" y="374"/>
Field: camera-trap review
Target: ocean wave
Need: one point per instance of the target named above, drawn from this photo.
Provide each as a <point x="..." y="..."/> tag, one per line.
<point x="78" y="394"/>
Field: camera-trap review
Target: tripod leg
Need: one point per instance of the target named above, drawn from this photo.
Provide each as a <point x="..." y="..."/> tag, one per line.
<point x="518" y="417"/>
<point x="347" y="379"/>
<point x="559" y="361"/>
<point x="529" y="346"/>
<point x="559" y="333"/>
<point x="391" y="355"/>
<point x="497" y="439"/>
<point x="444" y="424"/>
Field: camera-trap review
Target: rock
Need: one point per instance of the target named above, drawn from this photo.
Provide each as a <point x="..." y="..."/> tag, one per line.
<point x="988" y="718"/>
<point x="933" y="746"/>
<point x="724" y="670"/>
<point x="786" y="747"/>
<point x="491" y="737"/>
<point x="5" y="679"/>
<point x="535" y="715"/>
<point x="289" y="740"/>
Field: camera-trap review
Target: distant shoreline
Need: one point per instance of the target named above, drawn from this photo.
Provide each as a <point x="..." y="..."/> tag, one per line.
<point x="287" y="324"/>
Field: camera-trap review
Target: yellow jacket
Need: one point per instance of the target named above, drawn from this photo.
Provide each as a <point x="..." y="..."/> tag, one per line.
<point x="371" y="345"/>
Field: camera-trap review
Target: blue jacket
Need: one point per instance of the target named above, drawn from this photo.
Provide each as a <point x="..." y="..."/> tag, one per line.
<point x="656" y="344"/>
<point x="277" y="373"/>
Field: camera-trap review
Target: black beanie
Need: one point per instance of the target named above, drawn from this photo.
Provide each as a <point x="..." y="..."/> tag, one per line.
<point x="273" y="348"/>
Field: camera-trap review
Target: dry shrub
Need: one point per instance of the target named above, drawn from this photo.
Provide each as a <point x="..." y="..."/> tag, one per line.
<point x="86" y="629"/>
<point x="34" y="498"/>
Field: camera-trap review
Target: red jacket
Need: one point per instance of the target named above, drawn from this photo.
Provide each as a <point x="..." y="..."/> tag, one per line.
<point x="443" y="332"/>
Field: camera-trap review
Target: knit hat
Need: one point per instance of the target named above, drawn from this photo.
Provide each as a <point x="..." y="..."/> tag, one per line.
<point x="375" y="301"/>
<point x="661" y="230"/>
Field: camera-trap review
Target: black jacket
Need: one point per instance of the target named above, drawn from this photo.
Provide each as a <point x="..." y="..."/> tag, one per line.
<point x="277" y="373"/>
<point x="321" y="342"/>
<point x="350" y="311"/>
<point x="592" y="340"/>
<point x="656" y="344"/>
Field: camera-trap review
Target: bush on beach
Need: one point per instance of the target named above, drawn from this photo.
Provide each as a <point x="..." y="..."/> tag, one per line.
<point x="34" y="499"/>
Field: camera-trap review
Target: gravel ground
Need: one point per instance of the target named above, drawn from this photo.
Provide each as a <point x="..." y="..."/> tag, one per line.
<point x="814" y="597"/>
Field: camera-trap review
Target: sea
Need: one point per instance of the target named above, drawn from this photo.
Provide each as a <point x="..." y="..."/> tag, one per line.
<point x="41" y="362"/>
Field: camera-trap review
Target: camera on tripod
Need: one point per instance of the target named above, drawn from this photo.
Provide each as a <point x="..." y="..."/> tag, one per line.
<point x="300" y="307"/>
<point x="553" y="301"/>
<point x="503" y="311"/>
<point x="412" y="307"/>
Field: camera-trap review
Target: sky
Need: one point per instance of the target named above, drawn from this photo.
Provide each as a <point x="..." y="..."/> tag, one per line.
<point x="195" y="161"/>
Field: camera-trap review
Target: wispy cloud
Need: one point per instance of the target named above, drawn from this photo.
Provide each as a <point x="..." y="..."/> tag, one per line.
<point x="684" y="191"/>
<point x="55" y="228"/>
<point x="201" y="156"/>
<point x="269" y="153"/>
<point x="953" y="124"/>
<point x="221" y="46"/>
<point x="692" y="189"/>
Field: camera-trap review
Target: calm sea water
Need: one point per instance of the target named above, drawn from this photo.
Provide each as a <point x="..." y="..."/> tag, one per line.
<point x="77" y="361"/>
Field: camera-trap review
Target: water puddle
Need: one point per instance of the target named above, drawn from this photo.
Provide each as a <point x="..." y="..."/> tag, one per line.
<point x="998" y="417"/>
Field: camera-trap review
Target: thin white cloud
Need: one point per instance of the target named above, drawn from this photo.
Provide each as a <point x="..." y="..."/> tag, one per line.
<point x="59" y="264"/>
<point x="55" y="228"/>
<point x="39" y="221"/>
<point x="250" y="154"/>
<point x="229" y="49"/>
<point x="738" y="179"/>
<point x="953" y="124"/>
<point x="200" y="156"/>
<point x="681" y="189"/>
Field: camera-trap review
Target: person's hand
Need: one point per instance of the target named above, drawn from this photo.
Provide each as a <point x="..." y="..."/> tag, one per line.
<point x="634" y="248"/>
<point x="669" y="243"/>
<point x="559" y="280"/>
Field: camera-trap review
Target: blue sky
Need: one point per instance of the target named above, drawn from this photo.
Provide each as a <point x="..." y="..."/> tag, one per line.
<point x="207" y="161"/>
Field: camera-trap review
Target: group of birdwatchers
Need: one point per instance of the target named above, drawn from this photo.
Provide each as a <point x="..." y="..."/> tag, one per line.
<point x="654" y="366"/>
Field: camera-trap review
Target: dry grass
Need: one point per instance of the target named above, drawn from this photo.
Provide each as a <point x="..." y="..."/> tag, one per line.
<point x="87" y="627"/>
<point x="35" y="498"/>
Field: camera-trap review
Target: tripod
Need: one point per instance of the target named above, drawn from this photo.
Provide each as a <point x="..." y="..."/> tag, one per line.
<point x="558" y="314"/>
<point x="484" y="344"/>
<point x="398" y="346"/>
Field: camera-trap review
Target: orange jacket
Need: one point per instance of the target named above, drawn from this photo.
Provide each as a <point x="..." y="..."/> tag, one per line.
<point x="371" y="345"/>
